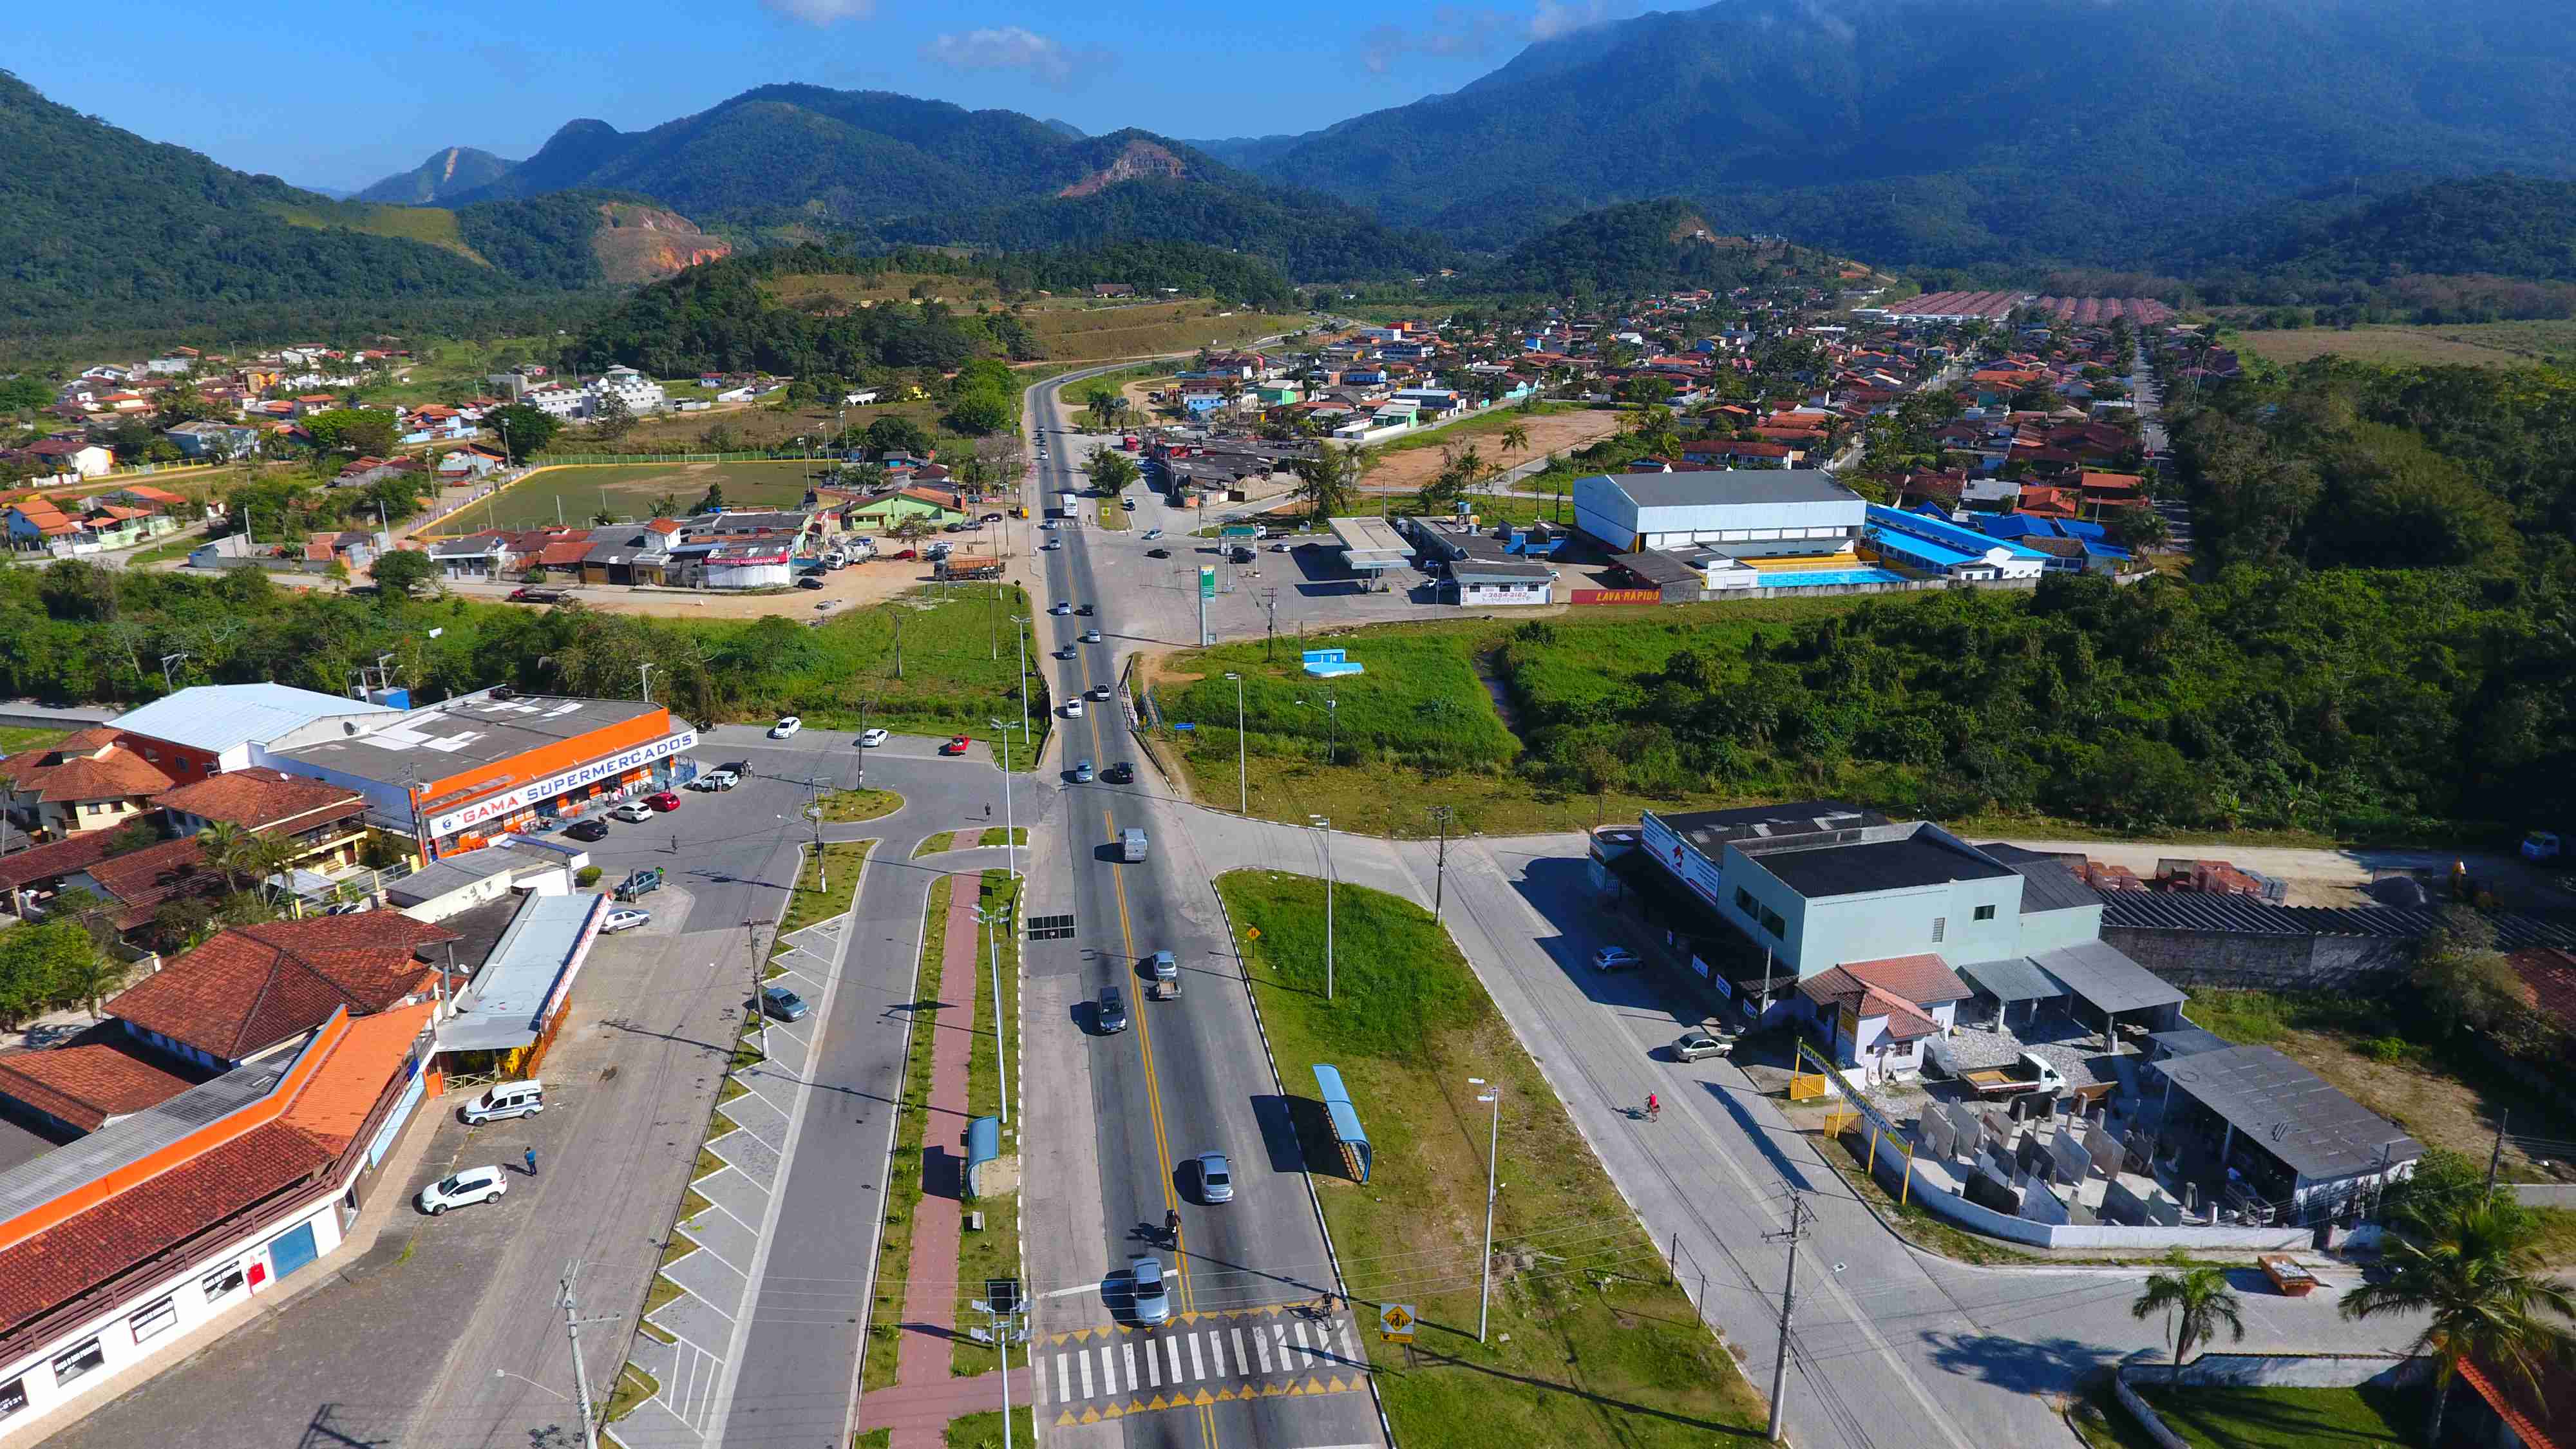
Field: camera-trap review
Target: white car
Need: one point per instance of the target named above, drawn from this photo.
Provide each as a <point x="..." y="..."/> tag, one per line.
<point x="714" y="780"/>
<point x="1073" y="709"/>
<point x="626" y="920"/>
<point x="1051" y="545"/>
<point x="1614" y="958"/>
<point x="632" y="812"/>
<point x="786" y="726"/>
<point x="873" y="738"/>
<point x="1153" y="533"/>
<point x="463" y="1189"/>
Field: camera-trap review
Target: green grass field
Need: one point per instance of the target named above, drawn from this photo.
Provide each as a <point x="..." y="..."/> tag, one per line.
<point x="573" y="494"/>
<point x="15" y="739"/>
<point x="1590" y="1342"/>
<point x="432" y="224"/>
<point x="2480" y="344"/>
<point x="2292" y="1418"/>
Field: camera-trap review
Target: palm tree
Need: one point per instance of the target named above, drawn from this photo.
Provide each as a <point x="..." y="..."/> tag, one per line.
<point x="2197" y="1297"/>
<point x="2474" y="1276"/>
<point x="92" y="979"/>
<point x="1515" y="439"/>
<point x="221" y="843"/>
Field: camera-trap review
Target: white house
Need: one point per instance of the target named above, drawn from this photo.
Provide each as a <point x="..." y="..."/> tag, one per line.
<point x="641" y="394"/>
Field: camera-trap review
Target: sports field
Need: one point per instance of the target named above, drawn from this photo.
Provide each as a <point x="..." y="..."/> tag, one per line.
<point x="575" y="494"/>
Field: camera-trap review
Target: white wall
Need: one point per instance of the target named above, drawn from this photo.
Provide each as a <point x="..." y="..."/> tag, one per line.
<point x="190" y="1308"/>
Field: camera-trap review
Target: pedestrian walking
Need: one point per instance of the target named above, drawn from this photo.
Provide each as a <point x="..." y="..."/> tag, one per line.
<point x="532" y="1162"/>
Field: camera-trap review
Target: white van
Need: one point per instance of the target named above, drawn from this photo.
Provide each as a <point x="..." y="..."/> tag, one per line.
<point x="1131" y="845"/>
<point x="508" y="1100"/>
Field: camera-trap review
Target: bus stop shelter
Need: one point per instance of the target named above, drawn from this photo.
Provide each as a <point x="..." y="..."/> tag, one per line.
<point x="1345" y="1118"/>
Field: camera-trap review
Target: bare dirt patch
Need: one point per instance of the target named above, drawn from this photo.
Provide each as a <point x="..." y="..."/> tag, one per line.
<point x="1407" y="471"/>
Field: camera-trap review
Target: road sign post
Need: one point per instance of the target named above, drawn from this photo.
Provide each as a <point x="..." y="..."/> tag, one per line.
<point x="1396" y="1322"/>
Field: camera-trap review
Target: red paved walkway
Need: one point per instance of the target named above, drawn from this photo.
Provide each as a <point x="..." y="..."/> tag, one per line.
<point x="922" y="1383"/>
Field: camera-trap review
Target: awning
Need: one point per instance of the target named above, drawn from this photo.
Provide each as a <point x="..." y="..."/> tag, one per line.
<point x="2107" y="980"/>
<point x="1346" y="1122"/>
<point x="983" y="1144"/>
<point x="2012" y="979"/>
<point x="528" y="976"/>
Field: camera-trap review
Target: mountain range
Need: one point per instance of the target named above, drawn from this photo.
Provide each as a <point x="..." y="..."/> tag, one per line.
<point x="1961" y="131"/>
<point x="450" y="173"/>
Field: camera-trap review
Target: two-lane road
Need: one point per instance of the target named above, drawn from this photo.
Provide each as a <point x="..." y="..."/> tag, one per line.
<point x="1190" y="1076"/>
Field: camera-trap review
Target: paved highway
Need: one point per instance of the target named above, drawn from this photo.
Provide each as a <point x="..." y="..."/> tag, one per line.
<point x="1114" y="1120"/>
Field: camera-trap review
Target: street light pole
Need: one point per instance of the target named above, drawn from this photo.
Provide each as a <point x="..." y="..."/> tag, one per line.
<point x="1440" y="882"/>
<point x="1327" y="827"/>
<point x="1493" y="1096"/>
<point x="1010" y="828"/>
<point x="992" y="920"/>
<point x="1242" y="789"/>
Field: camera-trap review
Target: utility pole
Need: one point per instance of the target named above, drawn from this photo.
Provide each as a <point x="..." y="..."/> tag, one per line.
<point x="574" y="1323"/>
<point x="644" y="672"/>
<point x="2495" y="1158"/>
<point x="1242" y="789"/>
<point x="897" y="616"/>
<point x="1492" y="1095"/>
<point x="167" y="682"/>
<point x="993" y="920"/>
<point x="1444" y="815"/>
<point x="1788" y="1297"/>
<point x="1327" y="827"/>
<point x="1021" y="622"/>
<point x="1010" y="826"/>
<point x="751" y="943"/>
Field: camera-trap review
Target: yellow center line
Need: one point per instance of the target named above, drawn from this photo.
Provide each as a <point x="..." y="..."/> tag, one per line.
<point x="1145" y="1042"/>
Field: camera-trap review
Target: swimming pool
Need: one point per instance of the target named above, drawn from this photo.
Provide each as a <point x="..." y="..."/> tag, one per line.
<point x="1818" y="578"/>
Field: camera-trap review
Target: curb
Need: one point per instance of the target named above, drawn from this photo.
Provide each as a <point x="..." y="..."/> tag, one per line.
<point x="1314" y="1199"/>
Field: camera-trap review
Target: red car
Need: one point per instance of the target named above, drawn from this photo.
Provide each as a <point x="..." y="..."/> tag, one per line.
<point x="663" y="800"/>
<point x="955" y="746"/>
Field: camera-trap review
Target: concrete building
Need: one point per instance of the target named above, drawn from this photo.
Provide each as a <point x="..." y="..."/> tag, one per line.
<point x="1748" y="513"/>
<point x="116" y="1247"/>
<point x="1946" y="550"/>
<point x="208" y="729"/>
<point x="458" y="774"/>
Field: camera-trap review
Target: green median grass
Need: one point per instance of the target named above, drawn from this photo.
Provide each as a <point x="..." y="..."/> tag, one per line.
<point x="984" y="1430"/>
<point x="903" y="1173"/>
<point x="1591" y="1342"/>
<point x="995" y="1251"/>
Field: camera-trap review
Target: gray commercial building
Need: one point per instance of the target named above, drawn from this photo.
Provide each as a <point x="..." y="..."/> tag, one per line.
<point x="1744" y="512"/>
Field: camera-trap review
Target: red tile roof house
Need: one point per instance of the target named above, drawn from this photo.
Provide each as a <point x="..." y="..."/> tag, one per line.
<point x="116" y="1249"/>
<point x="253" y="990"/>
<point x="328" y="820"/>
<point x="86" y="781"/>
<point x="72" y="1091"/>
<point x="138" y="883"/>
<point x="1880" y="1013"/>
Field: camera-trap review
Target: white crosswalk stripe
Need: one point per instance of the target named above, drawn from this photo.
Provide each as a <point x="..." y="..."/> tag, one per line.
<point x="1277" y="1349"/>
<point x="1085" y="1357"/>
<point x="1129" y="1351"/>
<point x="1063" y="1386"/>
<point x="1198" y="1366"/>
<point x="1261" y="1344"/>
<point x="1173" y="1346"/>
<point x="1153" y="1368"/>
<point x="1242" y="1360"/>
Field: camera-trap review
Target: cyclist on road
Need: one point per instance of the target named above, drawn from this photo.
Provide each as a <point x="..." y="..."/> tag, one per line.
<point x="1172" y="1226"/>
<point x="1654" y="1107"/>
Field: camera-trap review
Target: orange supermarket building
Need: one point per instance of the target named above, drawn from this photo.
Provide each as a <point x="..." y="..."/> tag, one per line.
<point x="458" y="774"/>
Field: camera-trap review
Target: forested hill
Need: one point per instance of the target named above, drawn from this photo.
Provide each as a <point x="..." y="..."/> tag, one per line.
<point x="1964" y="131"/>
<point x="2504" y="226"/>
<point x="451" y="172"/>
<point x="102" y="228"/>
<point x="725" y="316"/>
<point x="901" y="170"/>
<point x="1640" y="247"/>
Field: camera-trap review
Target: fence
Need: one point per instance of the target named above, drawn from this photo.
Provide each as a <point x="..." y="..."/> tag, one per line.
<point x="2258" y="1370"/>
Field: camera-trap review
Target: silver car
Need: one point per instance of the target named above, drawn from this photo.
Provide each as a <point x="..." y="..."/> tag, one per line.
<point x="1690" y="1046"/>
<point x="1150" y="1294"/>
<point x="1216" y="1178"/>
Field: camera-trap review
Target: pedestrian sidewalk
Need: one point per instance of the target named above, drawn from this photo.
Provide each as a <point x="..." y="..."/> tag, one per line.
<point x="930" y="1288"/>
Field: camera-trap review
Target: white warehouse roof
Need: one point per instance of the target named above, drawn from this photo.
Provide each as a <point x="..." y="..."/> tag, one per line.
<point x="216" y="717"/>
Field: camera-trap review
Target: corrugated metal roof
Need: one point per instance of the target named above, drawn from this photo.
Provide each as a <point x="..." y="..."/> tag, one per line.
<point x="2287" y="1110"/>
<point x="43" y="1179"/>
<point x="216" y="717"/>
<point x="2048" y="883"/>
<point x="2243" y="915"/>
<point x="2106" y="979"/>
<point x="2012" y="979"/>
<point x="1730" y="486"/>
<point x="518" y="985"/>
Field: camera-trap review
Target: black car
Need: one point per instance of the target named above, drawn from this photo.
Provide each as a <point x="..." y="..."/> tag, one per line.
<point x="587" y="830"/>
<point x="810" y="581"/>
<point x="1111" y="1012"/>
<point x="1158" y="553"/>
<point x="1121" y="773"/>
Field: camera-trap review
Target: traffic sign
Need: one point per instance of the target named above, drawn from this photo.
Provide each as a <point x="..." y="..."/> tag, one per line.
<point x="1207" y="581"/>
<point x="1395" y="1322"/>
<point x="1252" y="933"/>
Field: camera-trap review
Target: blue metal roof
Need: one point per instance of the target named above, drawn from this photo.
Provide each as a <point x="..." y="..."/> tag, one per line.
<point x="1345" y="1117"/>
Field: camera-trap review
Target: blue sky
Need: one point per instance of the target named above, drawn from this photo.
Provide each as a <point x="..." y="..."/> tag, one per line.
<point x="340" y="94"/>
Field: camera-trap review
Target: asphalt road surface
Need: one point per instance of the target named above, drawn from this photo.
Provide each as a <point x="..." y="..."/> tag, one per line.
<point x="1190" y="1076"/>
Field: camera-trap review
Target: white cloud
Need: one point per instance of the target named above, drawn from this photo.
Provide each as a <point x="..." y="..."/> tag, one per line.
<point x="821" y="12"/>
<point x="1453" y="32"/>
<point x="1050" y="62"/>
<point x="1564" y="17"/>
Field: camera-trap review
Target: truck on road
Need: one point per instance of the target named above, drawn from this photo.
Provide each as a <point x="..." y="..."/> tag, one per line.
<point x="966" y="566"/>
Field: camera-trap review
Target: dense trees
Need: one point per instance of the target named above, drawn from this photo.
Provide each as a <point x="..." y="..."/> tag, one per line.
<point x="352" y="430"/>
<point x="2343" y="700"/>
